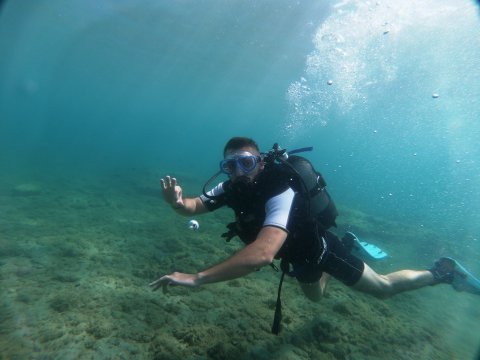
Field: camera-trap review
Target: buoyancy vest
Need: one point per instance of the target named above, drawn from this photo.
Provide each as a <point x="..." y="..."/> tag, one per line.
<point x="312" y="211"/>
<point x="314" y="202"/>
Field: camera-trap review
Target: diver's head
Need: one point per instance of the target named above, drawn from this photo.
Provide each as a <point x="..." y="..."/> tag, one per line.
<point x="242" y="161"/>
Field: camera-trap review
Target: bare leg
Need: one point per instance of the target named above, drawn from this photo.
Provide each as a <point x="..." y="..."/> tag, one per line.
<point x="314" y="291"/>
<point x="384" y="286"/>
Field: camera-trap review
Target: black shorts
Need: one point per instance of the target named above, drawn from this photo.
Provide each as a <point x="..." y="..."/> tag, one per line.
<point x="337" y="261"/>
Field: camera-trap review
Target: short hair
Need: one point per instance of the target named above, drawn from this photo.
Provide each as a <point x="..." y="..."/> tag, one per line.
<point x="239" y="142"/>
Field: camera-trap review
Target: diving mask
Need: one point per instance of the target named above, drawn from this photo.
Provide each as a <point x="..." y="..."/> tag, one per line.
<point x="245" y="161"/>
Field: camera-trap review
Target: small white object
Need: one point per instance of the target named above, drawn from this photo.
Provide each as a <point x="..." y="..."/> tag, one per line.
<point x="193" y="225"/>
<point x="329" y="82"/>
<point x="435" y="95"/>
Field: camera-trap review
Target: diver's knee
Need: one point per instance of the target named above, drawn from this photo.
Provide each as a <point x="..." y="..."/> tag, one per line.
<point x="312" y="292"/>
<point x="378" y="286"/>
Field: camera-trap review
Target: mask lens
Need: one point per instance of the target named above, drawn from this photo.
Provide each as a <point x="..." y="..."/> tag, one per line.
<point x="247" y="163"/>
<point x="227" y="166"/>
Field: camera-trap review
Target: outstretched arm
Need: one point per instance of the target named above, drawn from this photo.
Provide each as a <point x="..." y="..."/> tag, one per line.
<point x="259" y="253"/>
<point x="172" y="194"/>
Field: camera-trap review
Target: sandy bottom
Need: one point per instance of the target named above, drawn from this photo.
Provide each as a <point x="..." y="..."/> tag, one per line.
<point x="76" y="257"/>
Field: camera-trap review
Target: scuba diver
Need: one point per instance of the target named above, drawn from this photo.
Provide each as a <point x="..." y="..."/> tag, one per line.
<point x="283" y="211"/>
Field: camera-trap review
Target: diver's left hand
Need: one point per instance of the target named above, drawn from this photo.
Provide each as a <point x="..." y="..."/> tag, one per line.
<point x="175" y="278"/>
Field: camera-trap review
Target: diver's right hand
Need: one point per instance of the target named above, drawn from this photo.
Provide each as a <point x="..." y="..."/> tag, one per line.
<point x="177" y="278"/>
<point x="172" y="193"/>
